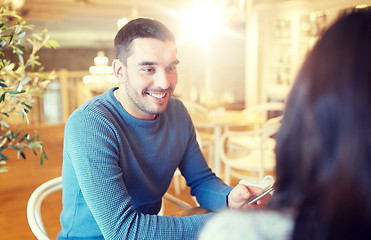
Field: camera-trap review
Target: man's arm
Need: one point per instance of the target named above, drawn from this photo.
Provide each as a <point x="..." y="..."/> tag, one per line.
<point x="211" y="192"/>
<point x="241" y="193"/>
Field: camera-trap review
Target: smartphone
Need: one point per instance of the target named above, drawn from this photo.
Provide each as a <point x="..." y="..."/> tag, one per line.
<point x="254" y="198"/>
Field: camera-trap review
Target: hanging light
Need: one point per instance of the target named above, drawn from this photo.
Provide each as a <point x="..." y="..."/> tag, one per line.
<point x="122" y="22"/>
<point x="100" y="73"/>
<point x="17" y="4"/>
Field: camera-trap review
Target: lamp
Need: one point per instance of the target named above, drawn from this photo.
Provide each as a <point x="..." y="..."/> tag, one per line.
<point x="17" y="4"/>
<point x="101" y="75"/>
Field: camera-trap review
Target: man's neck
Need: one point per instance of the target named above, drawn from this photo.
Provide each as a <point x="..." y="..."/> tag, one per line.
<point x="116" y="94"/>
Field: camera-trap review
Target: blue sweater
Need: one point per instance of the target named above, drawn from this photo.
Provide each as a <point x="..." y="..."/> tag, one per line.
<point x="116" y="169"/>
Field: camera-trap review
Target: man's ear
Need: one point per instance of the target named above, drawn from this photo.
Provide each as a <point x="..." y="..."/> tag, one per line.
<point x="118" y="69"/>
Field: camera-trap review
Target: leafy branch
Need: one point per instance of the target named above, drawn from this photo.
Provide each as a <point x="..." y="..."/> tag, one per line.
<point x="22" y="81"/>
<point x="14" y="140"/>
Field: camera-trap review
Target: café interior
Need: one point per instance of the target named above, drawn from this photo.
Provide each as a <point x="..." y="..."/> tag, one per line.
<point x="238" y="61"/>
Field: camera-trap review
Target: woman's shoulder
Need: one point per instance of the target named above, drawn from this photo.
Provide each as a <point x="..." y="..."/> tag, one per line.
<point x="253" y="225"/>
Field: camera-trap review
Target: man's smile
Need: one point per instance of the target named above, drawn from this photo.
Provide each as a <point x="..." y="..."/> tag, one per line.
<point x="157" y="95"/>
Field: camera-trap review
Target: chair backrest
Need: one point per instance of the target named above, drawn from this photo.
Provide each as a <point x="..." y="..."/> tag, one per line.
<point x="194" y="107"/>
<point x="34" y="206"/>
<point x="268" y="106"/>
<point x="265" y="108"/>
<point x="256" y="140"/>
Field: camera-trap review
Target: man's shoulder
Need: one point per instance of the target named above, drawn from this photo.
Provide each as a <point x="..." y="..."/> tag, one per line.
<point x="176" y="104"/>
<point x="102" y="102"/>
<point x="97" y="106"/>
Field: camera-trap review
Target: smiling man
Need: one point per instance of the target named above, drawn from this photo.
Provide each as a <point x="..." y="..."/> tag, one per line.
<point x="122" y="148"/>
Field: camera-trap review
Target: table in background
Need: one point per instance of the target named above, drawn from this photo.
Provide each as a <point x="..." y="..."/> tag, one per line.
<point x="220" y="120"/>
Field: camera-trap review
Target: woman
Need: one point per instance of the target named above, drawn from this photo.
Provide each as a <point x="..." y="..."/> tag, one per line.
<point x="323" y="148"/>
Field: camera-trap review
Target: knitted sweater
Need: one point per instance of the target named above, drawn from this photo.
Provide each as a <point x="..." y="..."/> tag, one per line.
<point x="116" y="169"/>
<point x="251" y="225"/>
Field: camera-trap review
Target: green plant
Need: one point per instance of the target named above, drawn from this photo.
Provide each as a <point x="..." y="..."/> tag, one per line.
<point x="21" y="81"/>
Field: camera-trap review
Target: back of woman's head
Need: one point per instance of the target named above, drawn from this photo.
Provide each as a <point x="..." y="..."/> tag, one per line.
<point x="324" y="145"/>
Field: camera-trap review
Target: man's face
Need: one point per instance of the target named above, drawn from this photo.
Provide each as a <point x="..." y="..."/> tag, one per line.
<point x="149" y="78"/>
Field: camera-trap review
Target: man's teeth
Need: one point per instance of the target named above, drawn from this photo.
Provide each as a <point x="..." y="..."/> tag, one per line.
<point x="157" y="95"/>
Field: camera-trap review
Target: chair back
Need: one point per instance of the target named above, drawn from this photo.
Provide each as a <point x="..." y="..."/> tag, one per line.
<point x="266" y="109"/>
<point x="248" y="150"/>
<point x="34" y="206"/>
<point x="194" y="107"/>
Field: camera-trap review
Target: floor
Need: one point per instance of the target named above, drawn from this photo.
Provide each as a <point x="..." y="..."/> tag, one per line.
<point x="24" y="176"/>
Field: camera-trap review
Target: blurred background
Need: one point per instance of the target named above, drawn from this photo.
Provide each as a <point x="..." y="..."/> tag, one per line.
<point x="233" y="53"/>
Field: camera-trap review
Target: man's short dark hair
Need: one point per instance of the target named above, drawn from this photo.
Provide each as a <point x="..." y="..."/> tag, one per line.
<point x="139" y="28"/>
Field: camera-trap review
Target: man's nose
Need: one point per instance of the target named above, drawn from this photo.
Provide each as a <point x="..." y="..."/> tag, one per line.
<point x="163" y="79"/>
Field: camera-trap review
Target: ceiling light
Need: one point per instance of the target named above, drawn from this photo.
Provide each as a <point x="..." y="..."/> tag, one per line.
<point x="17" y="4"/>
<point x="122" y="22"/>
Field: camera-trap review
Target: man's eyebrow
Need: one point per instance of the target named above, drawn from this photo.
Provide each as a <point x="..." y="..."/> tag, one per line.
<point x="149" y="63"/>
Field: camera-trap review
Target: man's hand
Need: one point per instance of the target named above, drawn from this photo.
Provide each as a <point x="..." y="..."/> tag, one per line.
<point x="239" y="194"/>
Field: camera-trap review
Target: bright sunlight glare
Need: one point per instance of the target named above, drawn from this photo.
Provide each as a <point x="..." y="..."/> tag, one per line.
<point x="202" y="23"/>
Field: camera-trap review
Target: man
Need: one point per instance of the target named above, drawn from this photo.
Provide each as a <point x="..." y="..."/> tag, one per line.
<point x="122" y="148"/>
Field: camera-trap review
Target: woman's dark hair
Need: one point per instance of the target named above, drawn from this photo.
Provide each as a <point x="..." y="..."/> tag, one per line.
<point x="139" y="28"/>
<point x="324" y="145"/>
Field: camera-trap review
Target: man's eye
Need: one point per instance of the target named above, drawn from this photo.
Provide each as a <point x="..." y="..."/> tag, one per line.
<point x="147" y="70"/>
<point x="171" y="68"/>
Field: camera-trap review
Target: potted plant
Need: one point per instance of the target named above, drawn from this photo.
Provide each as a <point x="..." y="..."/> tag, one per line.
<point x="20" y="81"/>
